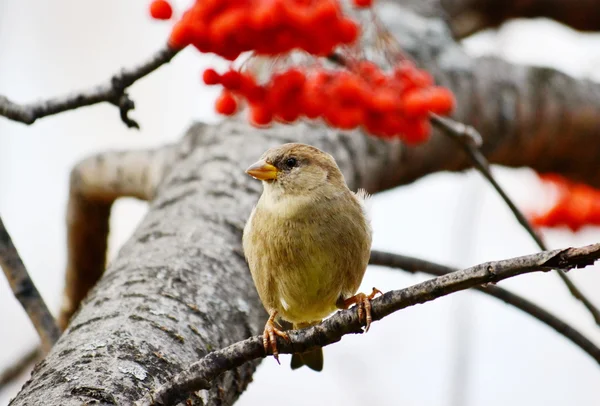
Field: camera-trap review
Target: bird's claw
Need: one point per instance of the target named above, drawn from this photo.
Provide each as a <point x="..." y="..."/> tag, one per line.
<point x="363" y="305"/>
<point x="270" y="337"/>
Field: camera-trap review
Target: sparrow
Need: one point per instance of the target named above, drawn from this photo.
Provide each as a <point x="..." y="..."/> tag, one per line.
<point x="307" y="243"/>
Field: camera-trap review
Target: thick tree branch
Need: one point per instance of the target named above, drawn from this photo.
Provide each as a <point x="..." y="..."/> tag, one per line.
<point x="200" y="374"/>
<point x="95" y="184"/>
<point x="25" y="291"/>
<point x="469" y="16"/>
<point x="114" y="92"/>
<point x="414" y="265"/>
<point x="467" y="138"/>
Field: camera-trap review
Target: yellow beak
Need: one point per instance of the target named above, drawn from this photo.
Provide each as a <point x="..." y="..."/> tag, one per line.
<point x="262" y="170"/>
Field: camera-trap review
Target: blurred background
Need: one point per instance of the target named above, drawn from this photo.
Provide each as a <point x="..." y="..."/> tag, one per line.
<point x="466" y="349"/>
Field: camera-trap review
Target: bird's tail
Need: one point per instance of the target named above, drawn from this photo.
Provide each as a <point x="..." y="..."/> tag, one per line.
<point x="312" y="359"/>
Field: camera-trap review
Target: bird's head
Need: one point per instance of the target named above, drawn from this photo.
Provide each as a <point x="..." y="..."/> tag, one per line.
<point x="297" y="169"/>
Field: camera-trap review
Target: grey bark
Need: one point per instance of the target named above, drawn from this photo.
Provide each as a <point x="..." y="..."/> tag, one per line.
<point x="180" y="287"/>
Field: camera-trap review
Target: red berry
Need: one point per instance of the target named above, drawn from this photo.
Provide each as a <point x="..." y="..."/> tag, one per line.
<point x="324" y="12"/>
<point x="211" y="77"/>
<point x="231" y="80"/>
<point x="260" y="115"/>
<point x="251" y="90"/>
<point x="363" y="3"/>
<point x="350" y="118"/>
<point x="226" y="104"/>
<point x="416" y="103"/>
<point x="417" y="132"/>
<point x="441" y="100"/>
<point x="347" y="31"/>
<point x="180" y="35"/>
<point x="385" y="101"/>
<point x="160" y="10"/>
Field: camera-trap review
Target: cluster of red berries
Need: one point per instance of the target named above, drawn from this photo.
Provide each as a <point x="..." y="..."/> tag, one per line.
<point x="394" y="104"/>
<point x="386" y="105"/>
<point x="577" y="205"/>
<point x="230" y="27"/>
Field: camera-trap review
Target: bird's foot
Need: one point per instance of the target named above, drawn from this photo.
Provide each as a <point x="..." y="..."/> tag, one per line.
<point x="270" y="337"/>
<point x="363" y="304"/>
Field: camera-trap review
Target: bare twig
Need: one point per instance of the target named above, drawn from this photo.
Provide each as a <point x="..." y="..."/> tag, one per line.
<point x="199" y="375"/>
<point x="414" y="265"/>
<point x="469" y="140"/>
<point x="26" y="292"/>
<point x="114" y="92"/>
<point x="18" y="367"/>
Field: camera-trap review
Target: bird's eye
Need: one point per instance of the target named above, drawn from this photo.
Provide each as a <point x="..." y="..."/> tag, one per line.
<point x="291" y="162"/>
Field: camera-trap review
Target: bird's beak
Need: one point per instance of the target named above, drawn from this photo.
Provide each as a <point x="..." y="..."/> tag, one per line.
<point x="262" y="170"/>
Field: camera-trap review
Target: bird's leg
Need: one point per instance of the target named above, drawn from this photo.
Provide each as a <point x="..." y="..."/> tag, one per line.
<point x="269" y="336"/>
<point x="363" y="304"/>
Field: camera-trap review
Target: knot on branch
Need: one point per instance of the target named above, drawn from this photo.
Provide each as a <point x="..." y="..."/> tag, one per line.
<point x="122" y="100"/>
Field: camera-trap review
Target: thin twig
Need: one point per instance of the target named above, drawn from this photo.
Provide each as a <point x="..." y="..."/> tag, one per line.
<point x="26" y="292"/>
<point x="114" y="92"/>
<point x="200" y="374"/>
<point x="469" y="140"/>
<point x="18" y="367"/>
<point x="414" y="265"/>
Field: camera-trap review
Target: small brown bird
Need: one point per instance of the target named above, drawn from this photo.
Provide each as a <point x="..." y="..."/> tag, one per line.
<point x="307" y="243"/>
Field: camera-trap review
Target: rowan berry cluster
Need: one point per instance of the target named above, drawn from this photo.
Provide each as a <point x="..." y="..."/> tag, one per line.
<point x="230" y="27"/>
<point x="577" y="205"/>
<point x="387" y="105"/>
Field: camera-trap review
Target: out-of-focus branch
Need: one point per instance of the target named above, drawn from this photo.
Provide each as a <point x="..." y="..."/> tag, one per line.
<point x="469" y="16"/>
<point x="414" y="265"/>
<point x="467" y="138"/>
<point x="114" y="92"/>
<point x="18" y="367"/>
<point x="96" y="182"/>
<point x="26" y="292"/>
<point x="200" y="374"/>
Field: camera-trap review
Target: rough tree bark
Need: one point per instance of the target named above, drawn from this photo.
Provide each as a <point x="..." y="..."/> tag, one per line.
<point x="180" y="287"/>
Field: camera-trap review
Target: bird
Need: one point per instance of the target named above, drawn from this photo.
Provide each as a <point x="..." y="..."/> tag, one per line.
<point x="307" y="243"/>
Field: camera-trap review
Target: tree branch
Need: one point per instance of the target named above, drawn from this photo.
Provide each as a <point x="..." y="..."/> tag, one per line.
<point x="467" y="17"/>
<point x="414" y="265"/>
<point x="25" y="291"/>
<point x="200" y="374"/>
<point x="114" y="92"/>
<point x="468" y="138"/>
